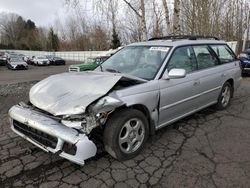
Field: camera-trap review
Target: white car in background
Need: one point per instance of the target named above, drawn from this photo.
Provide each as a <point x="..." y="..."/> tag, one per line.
<point x="41" y="60"/>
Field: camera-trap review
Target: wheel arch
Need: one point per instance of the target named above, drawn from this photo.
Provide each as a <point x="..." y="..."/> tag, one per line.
<point x="142" y="108"/>
<point x="231" y="82"/>
<point x="147" y="114"/>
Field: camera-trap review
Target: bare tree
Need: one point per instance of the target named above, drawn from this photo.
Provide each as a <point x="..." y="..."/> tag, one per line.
<point x="8" y="28"/>
<point x="157" y="21"/>
<point x="110" y="9"/>
<point x="176" y="21"/>
<point x="167" y="17"/>
<point x="141" y="14"/>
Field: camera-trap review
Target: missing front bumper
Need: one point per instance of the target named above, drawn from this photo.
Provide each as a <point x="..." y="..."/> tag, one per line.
<point x="50" y="135"/>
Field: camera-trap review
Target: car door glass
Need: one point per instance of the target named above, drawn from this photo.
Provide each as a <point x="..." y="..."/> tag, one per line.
<point x="183" y="58"/>
<point x="224" y="53"/>
<point x="204" y="57"/>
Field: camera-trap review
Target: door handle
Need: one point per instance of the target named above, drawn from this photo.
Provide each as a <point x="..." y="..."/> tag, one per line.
<point x="197" y="82"/>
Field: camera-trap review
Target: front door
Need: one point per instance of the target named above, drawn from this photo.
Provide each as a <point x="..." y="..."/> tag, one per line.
<point x="178" y="97"/>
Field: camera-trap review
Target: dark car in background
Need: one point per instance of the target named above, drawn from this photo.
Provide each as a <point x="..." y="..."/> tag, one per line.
<point x="3" y="59"/>
<point x="30" y="60"/>
<point x="244" y="58"/>
<point x="49" y="57"/>
<point x="57" y="61"/>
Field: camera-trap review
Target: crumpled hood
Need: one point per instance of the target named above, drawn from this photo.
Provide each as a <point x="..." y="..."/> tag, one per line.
<point x="71" y="93"/>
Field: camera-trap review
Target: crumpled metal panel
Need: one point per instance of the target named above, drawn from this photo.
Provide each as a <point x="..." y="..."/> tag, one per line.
<point x="85" y="147"/>
<point x="71" y="93"/>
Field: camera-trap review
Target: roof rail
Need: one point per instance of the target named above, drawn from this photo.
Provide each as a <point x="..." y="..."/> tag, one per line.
<point x="180" y="37"/>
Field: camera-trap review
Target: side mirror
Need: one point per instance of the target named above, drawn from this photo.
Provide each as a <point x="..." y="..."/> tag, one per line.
<point x="174" y="74"/>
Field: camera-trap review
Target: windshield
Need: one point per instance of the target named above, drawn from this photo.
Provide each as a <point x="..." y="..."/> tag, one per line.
<point x="16" y="59"/>
<point x="90" y="61"/>
<point x="140" y="61"/>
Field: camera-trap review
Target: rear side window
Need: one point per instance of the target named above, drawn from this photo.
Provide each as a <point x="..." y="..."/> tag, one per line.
<point x="224" y="53"/>
<point x="205" y="58"/>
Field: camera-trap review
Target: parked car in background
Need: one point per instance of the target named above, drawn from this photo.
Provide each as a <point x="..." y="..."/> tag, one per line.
<point x="244" y="58"/>
<point x="57" y="61"/>
<point x="49" y="57"/>
<point x="22" y="56"/>
<point x="26" y="58"/>
<point x="9" y="54"/>
<point x="16" y="63"/>
<point x="30" y="60"/>
<point x="143" y="87"/>
<point x="40" y="61"/>
<point x="3" y="59"/>
<point x="90" y="64"/>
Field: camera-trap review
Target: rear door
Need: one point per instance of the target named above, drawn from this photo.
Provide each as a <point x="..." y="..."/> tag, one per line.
<point x="229" y="64"/>
<point x="210" y="74"/>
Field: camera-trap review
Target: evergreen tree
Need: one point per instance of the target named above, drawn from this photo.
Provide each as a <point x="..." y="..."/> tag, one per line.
<point x="53" y="40"/>
<point x="115" y="40"/>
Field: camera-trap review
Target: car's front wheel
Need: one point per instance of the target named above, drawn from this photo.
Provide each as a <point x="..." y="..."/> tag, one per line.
<point x="126" y="133"/>
<point x="225" y="96"/>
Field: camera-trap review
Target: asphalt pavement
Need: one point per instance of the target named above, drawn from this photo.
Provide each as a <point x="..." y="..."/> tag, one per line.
<point x="208" y="149"/>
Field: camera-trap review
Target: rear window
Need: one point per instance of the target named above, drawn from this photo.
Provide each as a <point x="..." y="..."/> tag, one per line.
<point x="224" y="53"/>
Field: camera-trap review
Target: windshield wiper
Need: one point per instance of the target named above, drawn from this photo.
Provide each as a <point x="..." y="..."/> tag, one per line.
<point x="112" y="70"/>
<point x="101" y="67"/>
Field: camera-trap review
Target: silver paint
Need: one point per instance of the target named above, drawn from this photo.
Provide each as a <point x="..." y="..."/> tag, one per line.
<point x="89" y="94"/>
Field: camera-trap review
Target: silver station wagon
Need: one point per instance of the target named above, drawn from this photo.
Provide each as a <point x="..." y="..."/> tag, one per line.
<point x="140" y="89"/>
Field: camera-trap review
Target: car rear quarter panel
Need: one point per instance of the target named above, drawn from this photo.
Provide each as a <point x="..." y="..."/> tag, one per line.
<point x="232" y="71"/>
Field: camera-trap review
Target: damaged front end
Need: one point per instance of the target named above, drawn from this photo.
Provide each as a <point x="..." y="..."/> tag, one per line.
<point x="95" y="115"/>
<point x="65" y="120"/>
<point x="50" y="135"/>
<point x="57" y="135"/>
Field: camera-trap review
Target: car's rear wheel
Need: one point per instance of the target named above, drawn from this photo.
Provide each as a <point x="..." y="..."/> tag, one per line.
<point x="225" y="96"/>
<point x="126" y="133"/>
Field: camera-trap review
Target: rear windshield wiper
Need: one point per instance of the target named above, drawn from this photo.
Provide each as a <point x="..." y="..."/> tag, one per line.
<point x="112" y="70"/>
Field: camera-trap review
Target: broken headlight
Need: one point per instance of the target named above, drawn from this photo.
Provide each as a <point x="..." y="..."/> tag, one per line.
<point x="74" y="121"/>
<point x="77" y="117"/>
<point x="84" y="123"/>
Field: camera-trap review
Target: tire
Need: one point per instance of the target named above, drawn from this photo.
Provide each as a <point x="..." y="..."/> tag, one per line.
<point x="225" y="96"/>
<point x="244" y="74"/>
<point x="121" y="143"/>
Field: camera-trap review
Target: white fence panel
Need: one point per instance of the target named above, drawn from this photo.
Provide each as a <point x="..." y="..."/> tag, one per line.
<point x="67" y="55"/>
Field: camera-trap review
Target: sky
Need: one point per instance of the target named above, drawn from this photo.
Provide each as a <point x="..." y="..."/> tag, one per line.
<point x="45" y="13"/>
<point x="42" y="12"/>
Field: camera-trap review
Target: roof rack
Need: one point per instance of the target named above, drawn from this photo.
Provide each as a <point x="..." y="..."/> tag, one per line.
<point x="181" y="37"/>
